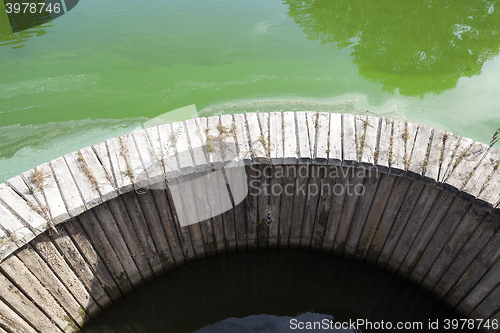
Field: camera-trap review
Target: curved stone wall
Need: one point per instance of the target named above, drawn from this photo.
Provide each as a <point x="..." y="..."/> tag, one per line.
<point x="82" y="230"/>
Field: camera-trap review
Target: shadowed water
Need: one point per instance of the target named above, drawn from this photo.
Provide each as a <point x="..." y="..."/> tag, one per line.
<point x="262" y="290"/>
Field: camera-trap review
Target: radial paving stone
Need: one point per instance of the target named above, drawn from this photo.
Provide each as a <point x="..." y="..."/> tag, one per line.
<point x="151" y="162"/>
<point x="480" y="178"/>
<point x="375" y="215"/>
<point x="460" y="166"/>
<point x="335" y="140"/>
<point x="419" y="154"/>
<point x="368" y="142"/>
<point x="443" y="242"/>
<point x="84" y="180"/>
<point x="105" y="182"/>
<point x="67" y="187"/>
<point x="23" y="210"/>
<point x="15" y="231"/>
<point x="312" y="129"/>
<point x="384" y="147"/>
<point x="12" y="321"/>
<point x="54" y="202"/>
<point x="276" y="138"/>
<point x="28" y="283"/>
<point x="400" y="137"/>
<point x="349" y="141"/>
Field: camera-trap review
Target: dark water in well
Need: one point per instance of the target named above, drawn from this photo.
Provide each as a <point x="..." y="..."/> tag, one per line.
<point x="272" y="291"/>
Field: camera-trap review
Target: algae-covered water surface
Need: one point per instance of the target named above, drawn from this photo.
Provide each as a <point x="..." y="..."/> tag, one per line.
<point x="106" y="66"/>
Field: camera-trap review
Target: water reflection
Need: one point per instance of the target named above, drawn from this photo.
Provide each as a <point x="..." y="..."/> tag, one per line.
<point x="23" y="19"/>
<point x="415" y="47"/>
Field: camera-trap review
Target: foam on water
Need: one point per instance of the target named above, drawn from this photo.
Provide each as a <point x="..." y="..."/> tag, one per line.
<point x="24" y="147"/>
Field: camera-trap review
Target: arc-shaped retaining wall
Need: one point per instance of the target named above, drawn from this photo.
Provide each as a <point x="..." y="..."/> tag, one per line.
<point x="86" y="228"/>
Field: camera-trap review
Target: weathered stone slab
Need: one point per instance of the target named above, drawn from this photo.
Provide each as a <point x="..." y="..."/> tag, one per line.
<point x="115" y="238"/>
<point x="106" y="183"/>
<point x="348" y="210"/>
<point x="384" y="193"/>
<point x="129" y="233"/>
<point x="15" y="230"/>
<point x="327" y="188"/>
<point x="336" y="206"/>
<point x="322" y="127"/>
<point x="96" y="234"/>
<point x="412" y="227"/>
<point x="368" y="143"/>
<point x="25" y="308"/>
<point x="276" y="133"/>
<point x="452" y="248"/>
<point x="168" y="140"/>
<point x="7" y="246"/>
<point x="101" y="151"/>
<point x="481" y="178"/>
<point x="85" y="181"/>
<point x="12" y="322"/>
<point x="122" y="172"/>
<point x="400" y="208"/>
<point x="312" y="125"/>
<point x="276" y="192"/>
<point x="22" y="210"/>
<point x="67" y="187"/>
<point x="434" y="158"/>
<point x="303" y="143"/>
<point x="418" y="259"/>
<point x="464" y="262"/>
<point x="335" y="140"/>
<point x="55" y="202"/>
<point x="412" y="130"/>
<point x="465" y="167"/>
<point x="169" y="227"/>
<point x="286" y="201"/>
<point x="186" y="164"/>
<point x="151" y="162"/>
<point x="419" y="154"/>
<point x="461" y="152"/>
<point x="451" y="142"/>
<point x="141" y="228"/>
<point x="65" y="295"/>
<point x="85" y="268"/>
<point x="242" y="139"/>
<point x="57" y="263"/>
<point x="384" y="148"/>
<point x="289" y="138"/>
<point x="31" y="286"/>
<point x="317" y="173"/>
<point x="438" y="235"/>
<point x="349" y="140"/>
<point x="366" y="200"/>
<point x="475" y="271"/>
<point x="18" y="184"/>
<point x="256" y="140"/>
<point x="264" y="136"/>
<point x="400" y="138"/>
<point x="484" y="297"/>
<point x="195" y="134"/>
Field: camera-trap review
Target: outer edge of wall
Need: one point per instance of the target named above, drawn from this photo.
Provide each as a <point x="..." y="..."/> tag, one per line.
<point x="90" y="176"/>
<point x="108" y="173"/>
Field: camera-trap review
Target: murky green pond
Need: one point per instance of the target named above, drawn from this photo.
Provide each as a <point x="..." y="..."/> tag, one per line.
<point x="106" y="66"/>
<point x="276" y="291"/>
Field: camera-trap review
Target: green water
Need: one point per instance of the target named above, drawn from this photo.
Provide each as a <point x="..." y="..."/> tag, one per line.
<point x="106" y="66"/>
